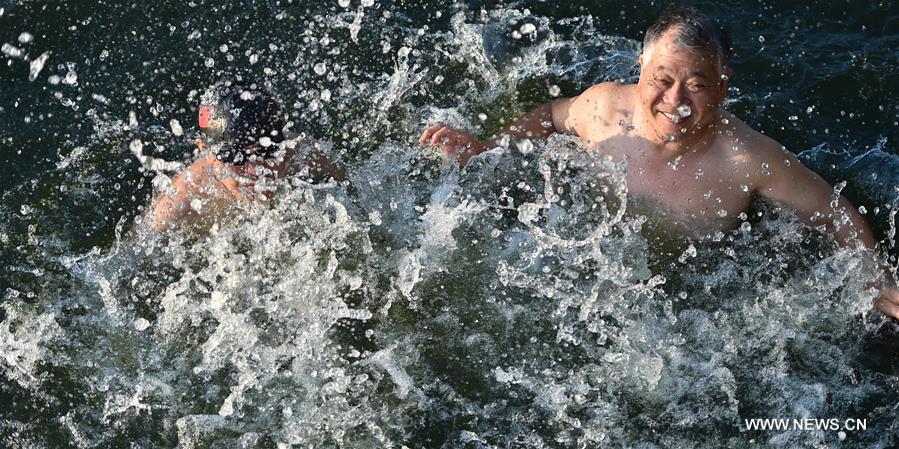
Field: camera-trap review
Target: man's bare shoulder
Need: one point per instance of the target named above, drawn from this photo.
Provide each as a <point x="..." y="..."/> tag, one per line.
<point x="607" y="95"/>
<point x="757" y="145"/>
<point x="603" y="105"/>
<point x="756" y="154"/>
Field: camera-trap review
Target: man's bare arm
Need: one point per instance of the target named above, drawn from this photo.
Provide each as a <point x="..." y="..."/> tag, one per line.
<point x="813" y="199"/>
<point x="171" y="207"/>
<point x="195" y="182"/>
<point x="796" y="186"/>
<point x="562" y="116"/>
<point x="537" y="123"/>
<point x="322" y="169"/>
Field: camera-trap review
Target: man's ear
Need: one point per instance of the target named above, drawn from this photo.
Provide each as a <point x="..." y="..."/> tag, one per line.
<point x="640" y="60"/>
<point x="725" y="80"/>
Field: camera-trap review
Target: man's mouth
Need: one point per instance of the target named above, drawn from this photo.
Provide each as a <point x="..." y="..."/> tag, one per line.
<point x="674" y="117"/>
<point x="683" y="112"/>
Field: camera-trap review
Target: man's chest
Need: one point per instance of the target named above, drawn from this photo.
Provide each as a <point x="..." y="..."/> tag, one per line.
<point x="707" y="189"/>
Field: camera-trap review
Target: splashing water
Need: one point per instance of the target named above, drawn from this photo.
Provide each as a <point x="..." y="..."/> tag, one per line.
<point x="520" y="302"/>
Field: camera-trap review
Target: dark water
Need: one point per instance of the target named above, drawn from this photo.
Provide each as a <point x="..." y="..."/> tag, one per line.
<point x="414" y="308"/>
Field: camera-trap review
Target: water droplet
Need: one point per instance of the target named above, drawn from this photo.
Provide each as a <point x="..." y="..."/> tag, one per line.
<point x="674" y="164"/>
<point x="344" y="3"/>
<point x="669" y="138"/>
<point x="689" y="252"/>
<point x="787" y="162"/>
<point x="438" y="79"/>
<point x="25" y="37"/>
<point x="320" y="69"/>
<point x="528" y="28"/>
<point x="721" y="213"/>
<point x="792" y="118"/>
<point x="254" y="58"/>
<point x="482" y="117"/>
<point x="862" y="210"/>
<point x="37" y="65"/>
<point x="554" y="91"/>
<point x="367" y="3"/>
<point x="743" y="216"/>
<point x="745" y="227"/>
<point x="11" y="51"/>
<point x="762" y="39"/>
<point x="326" y="95"/>
<point x="71" y="78"/>
<point x="54" y="79"/>
<point x="766" y="170"/>
<point x="684" y="110"/>
<point x="524" y="146"/>
<point x="209" y="62"/>
<point x="175" y="125"/>
<point x="137" y="148"/>
<point x="707" y="195"/>
<point x="744" y="188"/>
<point x="725" y="121"/>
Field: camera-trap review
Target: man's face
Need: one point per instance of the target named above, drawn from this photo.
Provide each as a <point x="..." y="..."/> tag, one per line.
<point x="680" y="90"/>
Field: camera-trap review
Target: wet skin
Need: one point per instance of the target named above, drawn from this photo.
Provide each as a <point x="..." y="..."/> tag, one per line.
<point x="699" y="164"/>
<point x="217" y="186"/>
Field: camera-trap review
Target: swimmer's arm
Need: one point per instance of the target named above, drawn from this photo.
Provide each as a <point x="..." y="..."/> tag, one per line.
<point x="562" y="116"/>
<point x="812" y="198"/>
<point x="172" y="208"/>
<point x="462" y="145"/>
<point x="322" y="169"/>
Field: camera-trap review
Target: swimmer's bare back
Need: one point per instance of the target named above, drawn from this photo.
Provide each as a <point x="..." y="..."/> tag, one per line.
<point x="202" y="190"/>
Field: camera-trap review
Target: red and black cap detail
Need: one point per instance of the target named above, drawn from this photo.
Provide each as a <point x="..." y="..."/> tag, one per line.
<point x="235" y="116"/>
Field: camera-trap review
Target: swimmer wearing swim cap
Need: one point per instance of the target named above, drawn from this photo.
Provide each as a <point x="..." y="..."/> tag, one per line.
<point x="240" y="122"/>
<point x="244" y="148"/>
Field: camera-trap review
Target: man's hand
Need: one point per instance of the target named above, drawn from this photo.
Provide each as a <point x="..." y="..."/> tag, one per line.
<point x="454" y="143"/>
<point x="888" y="302"/>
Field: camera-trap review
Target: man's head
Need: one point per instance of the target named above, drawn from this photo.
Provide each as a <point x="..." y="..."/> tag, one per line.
<point x="241" y="120"/>
<point x="684" y="74"/>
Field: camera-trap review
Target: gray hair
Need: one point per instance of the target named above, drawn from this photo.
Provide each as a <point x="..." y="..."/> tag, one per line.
<point x="692" y="30"/>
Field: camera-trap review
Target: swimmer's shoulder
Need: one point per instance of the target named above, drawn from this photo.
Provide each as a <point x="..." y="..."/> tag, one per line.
<point x="601" y="106"/>
<point x="755" y="153"/>
<point x="606" y="97"/>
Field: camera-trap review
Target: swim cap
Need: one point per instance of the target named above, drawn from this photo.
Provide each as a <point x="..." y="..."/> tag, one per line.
<point x="237" y="116"/>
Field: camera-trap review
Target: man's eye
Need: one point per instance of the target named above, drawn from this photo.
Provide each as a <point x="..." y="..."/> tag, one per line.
<point x="696" y="87"/>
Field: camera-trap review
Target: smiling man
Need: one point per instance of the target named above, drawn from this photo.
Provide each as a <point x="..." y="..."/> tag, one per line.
<point x="697" y="163"/>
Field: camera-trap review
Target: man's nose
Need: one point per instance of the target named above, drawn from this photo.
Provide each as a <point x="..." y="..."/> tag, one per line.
<point x="676" y="94"/>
